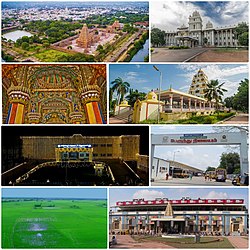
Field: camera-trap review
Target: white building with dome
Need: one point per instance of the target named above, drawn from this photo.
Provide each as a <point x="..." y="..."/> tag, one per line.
<point x="194" y="34"/>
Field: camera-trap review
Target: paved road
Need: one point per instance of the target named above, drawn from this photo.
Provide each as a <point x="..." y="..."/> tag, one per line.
<point x="196" y="181"/>
<point x="238" y="241"/>
<point x="126" y="241"/>
<point x="238" y="119"/>
<point x="166" y="55"/>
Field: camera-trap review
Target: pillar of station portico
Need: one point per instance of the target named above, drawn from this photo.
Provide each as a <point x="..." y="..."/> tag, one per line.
<point x="196" y="223"/>
<point x="227" y="222"/>
<point x="244" y="224"/>
<point x="200" y="105"/>
<point x="210" y="223"/>
<point x="124" y="222"/>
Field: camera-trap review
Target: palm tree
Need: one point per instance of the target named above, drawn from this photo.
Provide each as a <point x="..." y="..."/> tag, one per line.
<point x="120" y="87"/>
<point x="214" y="91"/>
<point x="134" y="95"/>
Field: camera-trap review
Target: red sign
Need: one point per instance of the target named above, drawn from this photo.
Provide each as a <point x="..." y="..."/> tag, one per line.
<point x="182" y="201"/>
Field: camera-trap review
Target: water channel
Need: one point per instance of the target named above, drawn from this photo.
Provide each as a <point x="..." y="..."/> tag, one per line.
<point x="139" y="57"/>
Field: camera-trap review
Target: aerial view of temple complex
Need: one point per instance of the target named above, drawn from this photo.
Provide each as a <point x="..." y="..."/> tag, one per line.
<point x="71" y="32"/>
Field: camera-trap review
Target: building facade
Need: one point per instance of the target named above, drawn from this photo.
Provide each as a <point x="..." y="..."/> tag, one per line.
<point x="124" y="147"/>
<point x="186" y="215"/>
<point x="196" y="34"/>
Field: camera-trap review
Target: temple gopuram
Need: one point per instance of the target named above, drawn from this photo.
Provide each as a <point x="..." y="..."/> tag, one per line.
<point x="54" y="94"/>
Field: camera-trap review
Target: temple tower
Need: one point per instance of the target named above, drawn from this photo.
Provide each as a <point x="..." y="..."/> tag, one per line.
<point x="83" y="39"/>
<point x="199" y="84"/>
<point x="195" y="26"/>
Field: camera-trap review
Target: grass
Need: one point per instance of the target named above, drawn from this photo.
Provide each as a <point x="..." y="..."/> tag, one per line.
<point x="203" y="119"/>
<point x="206" y="119"/>
<point x="205" y="242"/>
<point x="78" y="224"/>
<point x="49" y="55"/>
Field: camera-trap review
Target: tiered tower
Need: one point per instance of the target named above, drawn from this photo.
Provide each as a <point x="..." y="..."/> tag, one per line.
<point x="199" y="84"/>
<point x="84" y="40"/>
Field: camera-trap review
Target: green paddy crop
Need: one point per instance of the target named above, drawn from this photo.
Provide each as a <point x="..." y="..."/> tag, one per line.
<point x="54" y="224"/>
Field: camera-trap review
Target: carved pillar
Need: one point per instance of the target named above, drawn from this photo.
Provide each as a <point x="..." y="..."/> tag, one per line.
<point x="90" y="97"/>
<point x="18" y="98"/>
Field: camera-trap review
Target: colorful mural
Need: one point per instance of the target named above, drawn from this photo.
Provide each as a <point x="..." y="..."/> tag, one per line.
<point x="54" y="94"/>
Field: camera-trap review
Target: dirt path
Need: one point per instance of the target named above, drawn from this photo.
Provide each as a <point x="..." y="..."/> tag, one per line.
<point x="126" y="241"/>
<point x="238" y="241"/>
<point x="216" y="56"/>
<point x="238" y="119"/>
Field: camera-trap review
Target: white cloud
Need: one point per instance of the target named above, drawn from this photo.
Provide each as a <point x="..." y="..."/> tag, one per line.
<point x="216" y="195"/>
<point x="223" y="73"/>
<point x="169" y="16"/>
<point x="148" y="194"/>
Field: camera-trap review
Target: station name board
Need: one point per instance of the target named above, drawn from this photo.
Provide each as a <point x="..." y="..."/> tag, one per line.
<point x="193" y="141"/>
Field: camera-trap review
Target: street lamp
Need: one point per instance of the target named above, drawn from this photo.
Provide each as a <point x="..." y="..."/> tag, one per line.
<point x="173" y="162"/>
<point x="158" y="115"/>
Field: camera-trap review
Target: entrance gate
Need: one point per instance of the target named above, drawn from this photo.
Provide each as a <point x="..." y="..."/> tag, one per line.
<point x="232" y="138"/>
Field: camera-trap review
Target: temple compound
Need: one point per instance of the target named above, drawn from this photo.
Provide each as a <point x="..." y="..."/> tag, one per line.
<point x="89" y="39"/>
<point x="196" y="35"/>
<point x="54" y="94"/>
<point x="168" y="217"/>
<point x="173" y="104"/>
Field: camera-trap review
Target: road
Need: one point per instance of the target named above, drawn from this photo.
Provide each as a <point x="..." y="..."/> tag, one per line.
<point x="238" y="119"/>
<point x="166" y="55"/>
<point x="196" y="181"/>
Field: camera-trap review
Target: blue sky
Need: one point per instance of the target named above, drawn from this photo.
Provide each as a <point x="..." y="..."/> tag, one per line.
<point x="169" y="15"/>
<point x="93" y="193"/>
<point x="127" y="194"/>
<point x="145" y="78"/>
<point x="197" y="156"/>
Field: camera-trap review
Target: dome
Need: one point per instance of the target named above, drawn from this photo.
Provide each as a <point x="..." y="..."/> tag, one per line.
<point x="124" y="102"/>
<point x="151" y="96"/>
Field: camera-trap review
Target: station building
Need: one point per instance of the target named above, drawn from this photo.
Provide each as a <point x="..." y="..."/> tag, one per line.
<point x="194" y="34"/>
<point x="180" y="216"/>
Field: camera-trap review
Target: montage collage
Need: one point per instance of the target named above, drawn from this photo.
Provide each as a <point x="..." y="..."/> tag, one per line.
<point x="129" y="120"/>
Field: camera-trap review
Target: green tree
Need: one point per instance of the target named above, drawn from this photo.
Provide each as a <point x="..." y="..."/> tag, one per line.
<point x="241" y="33"/>
<point x="210" y="169"/>
<point x="157" y="37"/>
<point x="214" y="91"/>
<point x="228" y="102"/>
<point x="120" y="87"/>
<point x="230" y="162"/>
<point x="134" y="95"/>
<point x="25" y="45"/>
<point x="240" y="99"/>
